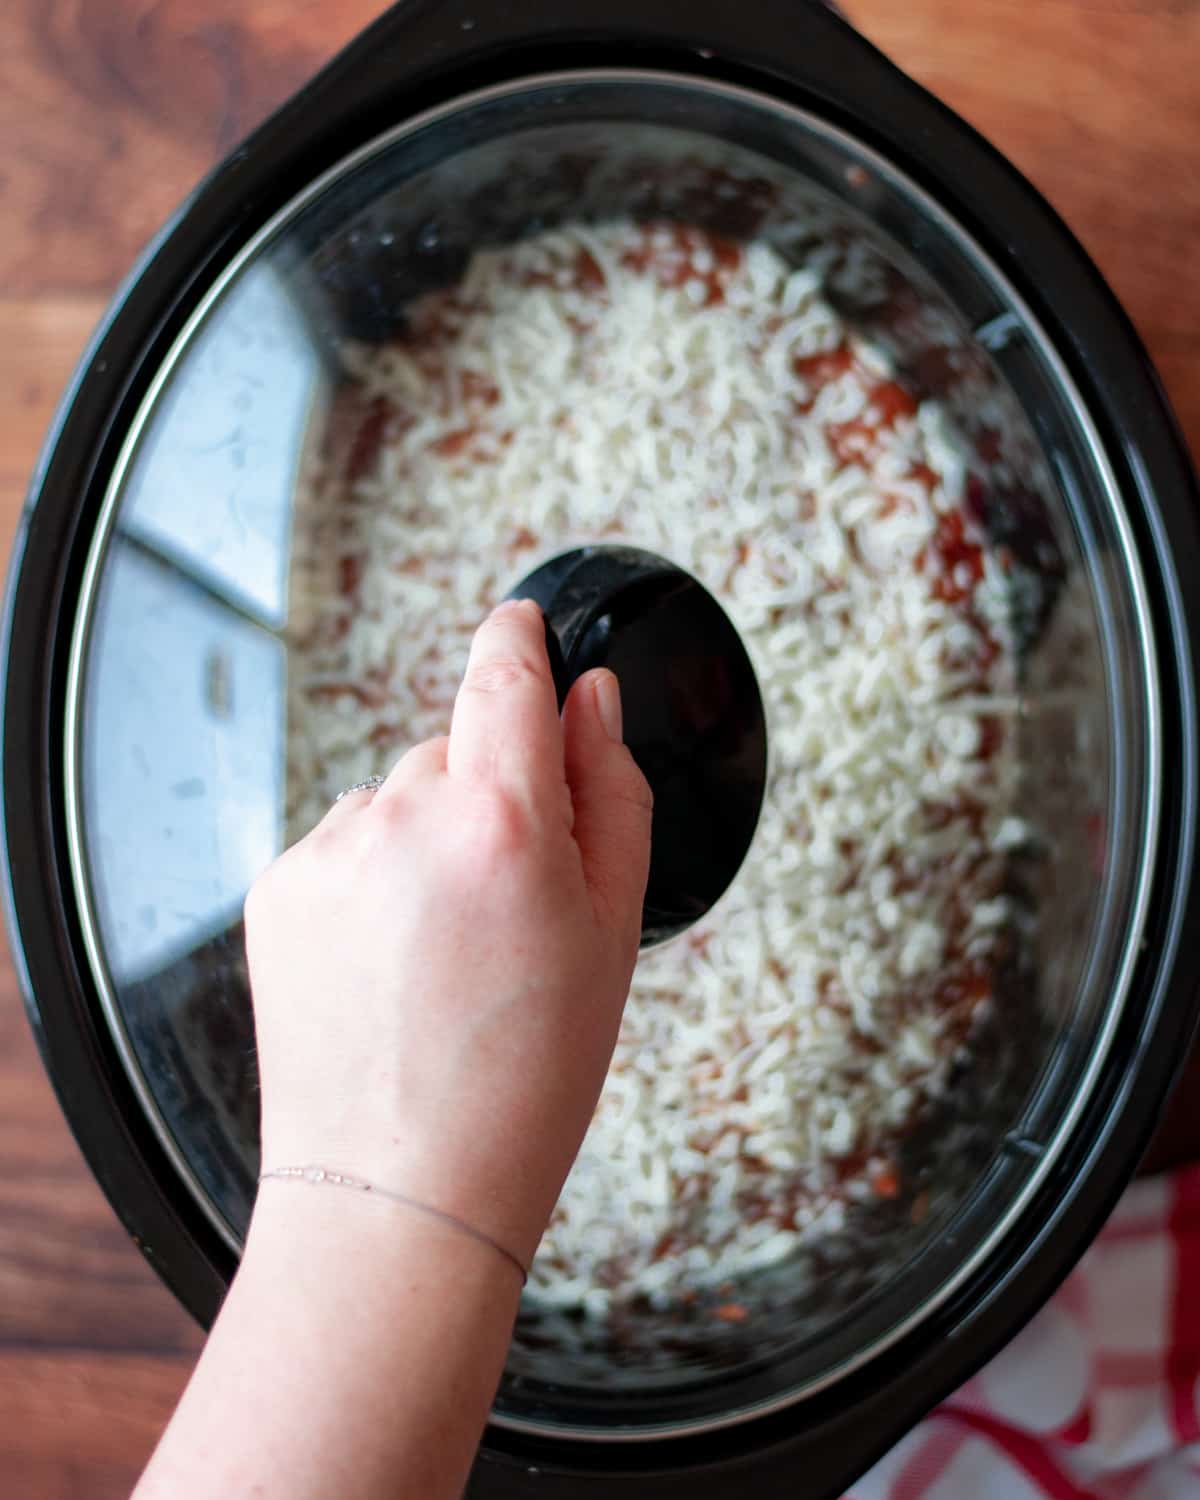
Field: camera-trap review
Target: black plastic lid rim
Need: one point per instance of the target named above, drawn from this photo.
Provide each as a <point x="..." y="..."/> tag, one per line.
<point x="821" y="63"/>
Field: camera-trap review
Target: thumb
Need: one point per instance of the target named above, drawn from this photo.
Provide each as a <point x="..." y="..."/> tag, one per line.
<point x="612" y="802"/>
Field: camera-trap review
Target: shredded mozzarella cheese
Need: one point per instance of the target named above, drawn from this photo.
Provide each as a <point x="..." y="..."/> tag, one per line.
<point x="658" y="386"/>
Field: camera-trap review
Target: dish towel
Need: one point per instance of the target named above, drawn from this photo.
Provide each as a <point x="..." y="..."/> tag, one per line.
<point x="1097" y="1398"/>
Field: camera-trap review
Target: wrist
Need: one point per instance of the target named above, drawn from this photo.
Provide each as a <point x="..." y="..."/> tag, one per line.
<point x="318" y="1231"/>
<point x="357" y="1343"/>
<point x="458" y="1173"/>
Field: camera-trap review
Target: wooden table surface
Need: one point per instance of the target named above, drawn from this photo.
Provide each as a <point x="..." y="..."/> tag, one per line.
<point x="109" y="111"/>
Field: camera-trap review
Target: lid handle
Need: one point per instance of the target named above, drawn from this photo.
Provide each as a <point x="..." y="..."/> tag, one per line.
<point x="693" y="715"/>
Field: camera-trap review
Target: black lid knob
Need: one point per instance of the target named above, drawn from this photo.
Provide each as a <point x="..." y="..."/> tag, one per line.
<point x="693" y="714"/>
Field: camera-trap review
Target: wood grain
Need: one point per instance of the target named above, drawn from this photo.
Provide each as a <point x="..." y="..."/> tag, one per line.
<point x="109" y="112"/>
<point x="81" y="1425"/>
<point x="41" y="338"/>
<point x="113" y="109"/>
<point x="67" y="1277"/>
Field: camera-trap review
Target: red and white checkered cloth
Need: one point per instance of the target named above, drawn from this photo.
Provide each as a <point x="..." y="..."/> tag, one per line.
<point x="1097" y="1399"/>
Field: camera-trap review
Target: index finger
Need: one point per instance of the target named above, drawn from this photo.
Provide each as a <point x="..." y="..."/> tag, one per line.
<point x="506" y="726"/>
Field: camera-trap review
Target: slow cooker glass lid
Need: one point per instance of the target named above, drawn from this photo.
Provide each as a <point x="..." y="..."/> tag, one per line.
<point x="184" y="765"/>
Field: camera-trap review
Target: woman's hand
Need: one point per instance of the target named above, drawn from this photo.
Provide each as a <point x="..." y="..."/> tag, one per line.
<point x="439" y="968"/>
<point x="438" y="973"/>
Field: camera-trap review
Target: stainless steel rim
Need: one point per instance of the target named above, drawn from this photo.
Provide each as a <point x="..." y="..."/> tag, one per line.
<point x="1152" y="706"/>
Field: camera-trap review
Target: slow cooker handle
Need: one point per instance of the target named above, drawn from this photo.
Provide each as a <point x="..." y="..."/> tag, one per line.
<point x="417" y="48"/>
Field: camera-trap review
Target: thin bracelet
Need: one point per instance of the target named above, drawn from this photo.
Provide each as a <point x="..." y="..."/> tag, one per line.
<point x="320" y="1175"/>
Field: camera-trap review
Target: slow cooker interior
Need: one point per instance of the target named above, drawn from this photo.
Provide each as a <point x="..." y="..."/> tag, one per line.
<point x="188" y="627"/>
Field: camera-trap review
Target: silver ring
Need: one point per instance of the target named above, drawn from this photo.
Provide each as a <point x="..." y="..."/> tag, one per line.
<point x="371" y="784"/>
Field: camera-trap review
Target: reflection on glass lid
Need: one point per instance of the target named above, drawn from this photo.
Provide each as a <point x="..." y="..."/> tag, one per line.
<point x="474" y="350"/>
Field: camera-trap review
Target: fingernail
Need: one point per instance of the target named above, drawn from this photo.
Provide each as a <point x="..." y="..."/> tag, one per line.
<point x="608" y="703"/>
<point x="516" y="606"/>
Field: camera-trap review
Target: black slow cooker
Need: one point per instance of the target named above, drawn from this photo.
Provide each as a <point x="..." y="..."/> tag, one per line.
<point x="146" y="661"/>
